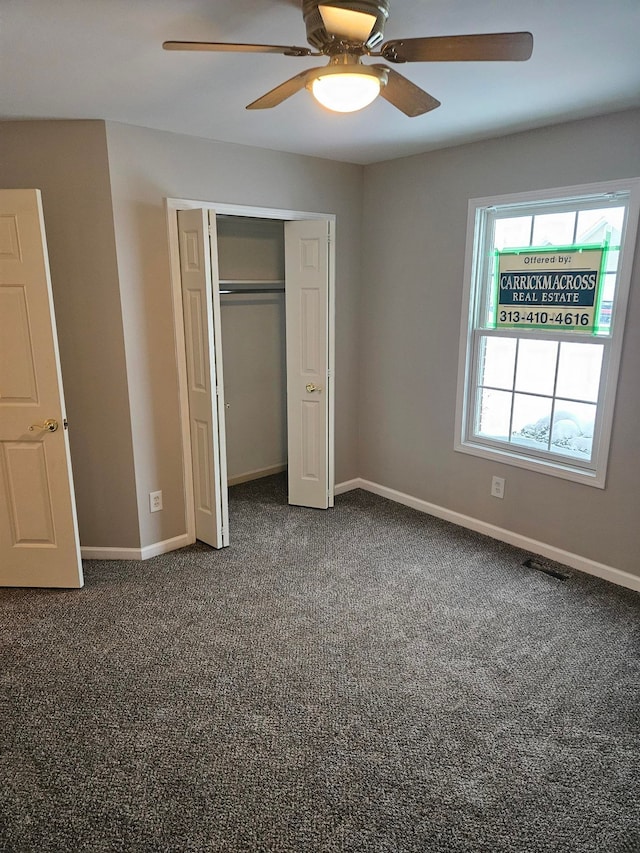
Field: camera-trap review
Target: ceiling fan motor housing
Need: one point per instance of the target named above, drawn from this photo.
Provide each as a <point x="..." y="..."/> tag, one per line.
<point x="317" y="35"/>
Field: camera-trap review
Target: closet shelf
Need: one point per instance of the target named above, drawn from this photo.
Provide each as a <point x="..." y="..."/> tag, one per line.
<point x="267" y="282"/>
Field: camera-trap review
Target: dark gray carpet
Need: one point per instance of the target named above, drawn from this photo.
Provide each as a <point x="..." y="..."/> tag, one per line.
<point x="363" y="679"/>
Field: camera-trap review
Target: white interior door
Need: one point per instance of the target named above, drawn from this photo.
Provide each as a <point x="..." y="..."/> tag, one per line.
<point x="308" y="373"/>
<point x="39" y="543"/>
<point x="201" y="310"/>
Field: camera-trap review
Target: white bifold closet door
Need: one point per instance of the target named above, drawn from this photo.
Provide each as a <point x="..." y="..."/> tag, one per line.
<point x="308" y="393"/>
<point x="203" y="341"/>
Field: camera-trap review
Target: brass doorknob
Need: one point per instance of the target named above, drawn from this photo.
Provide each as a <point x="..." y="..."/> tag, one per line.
<point x="50" y="425"/>
<point x="311" y="388"/>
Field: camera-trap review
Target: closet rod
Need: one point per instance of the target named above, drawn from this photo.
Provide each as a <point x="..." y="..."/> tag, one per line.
<point x="251" y="290"/>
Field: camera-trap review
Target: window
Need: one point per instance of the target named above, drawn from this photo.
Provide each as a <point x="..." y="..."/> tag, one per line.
<point x="547" y="278"/>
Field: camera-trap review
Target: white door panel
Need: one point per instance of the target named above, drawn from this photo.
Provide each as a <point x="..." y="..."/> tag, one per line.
<point x="307" y="305"/>
<point x="39" y="543"/>
<point x="203" y="379"/>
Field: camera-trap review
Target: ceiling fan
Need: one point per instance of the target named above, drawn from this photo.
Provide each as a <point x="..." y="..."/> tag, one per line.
<point x="348" y="30"/>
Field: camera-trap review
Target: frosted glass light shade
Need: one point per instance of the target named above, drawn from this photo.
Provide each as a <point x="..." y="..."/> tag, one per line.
<point x="346" y="93"/>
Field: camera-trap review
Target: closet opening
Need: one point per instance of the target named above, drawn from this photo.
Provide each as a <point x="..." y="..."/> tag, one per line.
<point x="253" y="319"/>
<point x="253" y="293"/>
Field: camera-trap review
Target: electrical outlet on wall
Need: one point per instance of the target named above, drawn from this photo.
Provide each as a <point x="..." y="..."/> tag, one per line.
<point x="155" y="501"/>
<point x="497" y="487"/>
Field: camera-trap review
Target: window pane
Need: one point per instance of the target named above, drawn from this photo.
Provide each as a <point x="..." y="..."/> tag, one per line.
<point x="606" y="304"/>
<point x="572" y="433"/>
<point x="612" y="260"/>
<point x="487" y="317"/>
<point x="536" y="371"/>
<point x="608" y="288"/>
<point x="595" y="226"/>
<point x="531" y="419"/>
<point x="512" y="233"/>
<point x="493" y="414"/>
<point x="579" y="371"/>
<point x="497" y="362"/>
<point x="553" y="229"/>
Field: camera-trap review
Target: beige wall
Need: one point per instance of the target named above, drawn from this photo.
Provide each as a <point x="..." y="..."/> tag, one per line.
<point x="253" y="345"/>
<point x="415" y="215"/>
<point x="147" y="166"/>
<point x="255" y="382"/>
<point x="67" y="160"/>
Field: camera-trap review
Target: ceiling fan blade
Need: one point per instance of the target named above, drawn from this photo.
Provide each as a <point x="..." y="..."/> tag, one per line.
<point x="239" y="48"/>
<point x="405" y="95"/>
<point x="283" y="91"/>
<point x="515" y="47"/>
<point x="347" y="23"/>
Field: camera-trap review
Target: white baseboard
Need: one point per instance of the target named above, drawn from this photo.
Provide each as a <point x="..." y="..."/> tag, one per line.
<point x="167" y="545"/>
<point x="145" y="553"/>
<point x="348" y="485"/>
<point x="575" y="561"/>
<point x="256" y="475"/>
<point x="92" y="553"/>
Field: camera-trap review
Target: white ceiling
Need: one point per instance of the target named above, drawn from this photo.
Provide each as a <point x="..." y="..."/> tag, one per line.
<point x="104" y="59"/>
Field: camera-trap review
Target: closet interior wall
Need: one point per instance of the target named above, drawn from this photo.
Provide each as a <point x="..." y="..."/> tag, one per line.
<point x="251" y="258"/>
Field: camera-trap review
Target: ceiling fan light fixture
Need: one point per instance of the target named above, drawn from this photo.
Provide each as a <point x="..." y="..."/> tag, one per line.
<point x="347" y="89"/>
<point x="345" y="93"/>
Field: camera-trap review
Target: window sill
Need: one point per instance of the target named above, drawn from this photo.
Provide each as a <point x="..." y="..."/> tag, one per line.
<point x="540" y="466"/>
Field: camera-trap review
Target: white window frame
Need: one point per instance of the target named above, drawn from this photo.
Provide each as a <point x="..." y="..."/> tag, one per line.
<point x="474" y="290"/>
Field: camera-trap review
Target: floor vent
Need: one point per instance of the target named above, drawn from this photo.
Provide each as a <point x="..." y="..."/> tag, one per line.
<point x="530" y="563"/>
